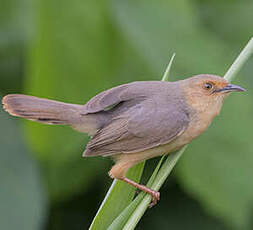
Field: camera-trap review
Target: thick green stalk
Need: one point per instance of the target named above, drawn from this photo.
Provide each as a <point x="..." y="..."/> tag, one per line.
<point x="240" y="61"/>
<point x="163" y="173"/>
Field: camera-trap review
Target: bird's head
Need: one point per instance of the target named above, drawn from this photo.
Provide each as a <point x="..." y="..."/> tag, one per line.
<point x="207" y="92"/>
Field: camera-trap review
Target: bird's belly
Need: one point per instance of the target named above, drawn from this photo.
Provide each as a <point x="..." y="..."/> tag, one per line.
<point x="192" y="131"/>
<point x="135" y="158"/>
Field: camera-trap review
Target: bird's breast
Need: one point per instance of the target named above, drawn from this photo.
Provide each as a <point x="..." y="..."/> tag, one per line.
<point x="199" y="122"/>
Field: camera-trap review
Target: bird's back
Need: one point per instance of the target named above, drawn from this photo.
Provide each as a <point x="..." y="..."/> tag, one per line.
<point x="140" y="115"/>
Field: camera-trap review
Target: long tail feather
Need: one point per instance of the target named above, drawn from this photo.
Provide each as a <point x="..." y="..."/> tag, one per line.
<point x="41" y="110"/>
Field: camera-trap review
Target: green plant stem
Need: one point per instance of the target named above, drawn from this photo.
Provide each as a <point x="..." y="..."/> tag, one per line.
<point x="121" y="220"/>
<point x="240" y="61"/>
<point x="163" y="173"/>
<point x="118" y="197"/>
<point x="167" y="71"/>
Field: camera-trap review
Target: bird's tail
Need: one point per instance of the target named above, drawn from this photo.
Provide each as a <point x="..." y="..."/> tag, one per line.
<point x="42" y="110"/>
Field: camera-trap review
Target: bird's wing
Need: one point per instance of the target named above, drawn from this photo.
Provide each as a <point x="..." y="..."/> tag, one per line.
<point x="143" y="126"/>
<point x="112" y="97"/>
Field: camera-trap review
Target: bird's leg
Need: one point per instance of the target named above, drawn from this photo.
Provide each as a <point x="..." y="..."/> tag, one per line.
<point x="155" y="195"/>
<point x="119" y="170"/>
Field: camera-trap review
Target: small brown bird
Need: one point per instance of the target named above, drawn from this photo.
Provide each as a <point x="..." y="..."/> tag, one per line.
<point x="136" y="121"/>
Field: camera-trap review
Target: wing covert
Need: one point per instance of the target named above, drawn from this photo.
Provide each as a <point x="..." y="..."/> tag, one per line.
<point x="144" y="126"/>
<point x="110" y="98"/>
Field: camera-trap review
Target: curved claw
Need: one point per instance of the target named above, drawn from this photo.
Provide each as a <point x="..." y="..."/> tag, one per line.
<point x="155" y="195"/>
<point x="155" y="198"/>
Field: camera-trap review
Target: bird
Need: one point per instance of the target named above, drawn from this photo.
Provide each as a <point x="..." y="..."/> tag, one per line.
<point x="136" y="121"/>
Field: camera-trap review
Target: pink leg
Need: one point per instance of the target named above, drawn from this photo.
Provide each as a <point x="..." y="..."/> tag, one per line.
<point x="155" y="195"/>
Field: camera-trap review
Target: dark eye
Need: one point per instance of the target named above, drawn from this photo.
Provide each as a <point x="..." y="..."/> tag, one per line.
<point x="208" y="86"/>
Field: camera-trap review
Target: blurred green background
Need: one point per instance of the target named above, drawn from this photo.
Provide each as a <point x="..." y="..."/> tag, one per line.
<point x="71" y="50"/>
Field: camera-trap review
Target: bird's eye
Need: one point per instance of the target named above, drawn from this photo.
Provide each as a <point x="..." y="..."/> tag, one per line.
<point x="208" y="86"/>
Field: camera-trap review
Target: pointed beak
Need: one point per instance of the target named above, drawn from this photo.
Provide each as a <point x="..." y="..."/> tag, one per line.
<point x="231" y="88"/>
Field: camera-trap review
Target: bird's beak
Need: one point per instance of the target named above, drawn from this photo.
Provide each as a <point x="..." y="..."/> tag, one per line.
<point x="231" y="88"/>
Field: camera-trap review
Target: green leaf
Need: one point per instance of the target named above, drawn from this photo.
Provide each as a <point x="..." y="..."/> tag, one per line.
<point x="13" y="32"/>
<point x="154" y="37"/>
<point x="161" y="176"/>
<point x="167" y="71"/>
<point x="124" y="216"/>
<point x="220" y="19"/>
<point x="240" y="61"/>
<point x="22" y="196"/>
<point x="118" y="197"/>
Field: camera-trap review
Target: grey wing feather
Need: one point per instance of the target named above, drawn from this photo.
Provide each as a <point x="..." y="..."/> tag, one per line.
<point x="111" y="97"/>
<point x="142" y="127"/>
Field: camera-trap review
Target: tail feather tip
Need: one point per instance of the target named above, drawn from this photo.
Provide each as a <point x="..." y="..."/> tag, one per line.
<point x="5" y="103"/>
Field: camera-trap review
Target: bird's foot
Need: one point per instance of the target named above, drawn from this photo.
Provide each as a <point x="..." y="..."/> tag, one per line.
<point x="155" y="195"/>
<point x="155" y="198"/>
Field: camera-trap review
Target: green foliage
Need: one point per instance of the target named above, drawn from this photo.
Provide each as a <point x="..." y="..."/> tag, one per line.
<point x="22" y="197"/>
<point x="144" y="31"/>
<point x="117" y="199"/>
<point x="75" y="49"/>
<point x="156" y="180"/>
<point x="128" y="215"/>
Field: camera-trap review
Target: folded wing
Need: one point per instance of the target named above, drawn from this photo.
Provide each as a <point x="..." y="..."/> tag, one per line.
<point x="142" y="126"/>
